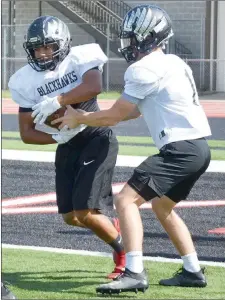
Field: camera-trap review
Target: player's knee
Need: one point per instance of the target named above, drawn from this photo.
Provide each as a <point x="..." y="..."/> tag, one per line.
<point x="160" y="210"/>
<point x="67" y="220"/>
<point x="122" y="201"/>
<point x="83" y="216"/>
<point x="87" y="217"/>
<point x="157" y="208"/>
<point x="118" y="202"/>
<point x="71" y="220"/>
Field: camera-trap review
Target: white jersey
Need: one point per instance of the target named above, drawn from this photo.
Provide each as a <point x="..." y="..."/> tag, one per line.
<point x="164" y="90"/>
<point x="28" y="87"/>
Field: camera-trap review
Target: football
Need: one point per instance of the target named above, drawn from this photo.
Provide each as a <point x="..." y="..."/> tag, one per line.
<point x="57" y="114"/>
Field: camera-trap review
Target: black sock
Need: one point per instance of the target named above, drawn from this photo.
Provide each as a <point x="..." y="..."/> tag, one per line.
<point x="117" y="244"/>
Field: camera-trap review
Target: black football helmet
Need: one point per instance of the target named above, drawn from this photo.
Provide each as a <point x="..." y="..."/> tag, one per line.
<point x="44" y="31"/>
<point x="144" y="28"/>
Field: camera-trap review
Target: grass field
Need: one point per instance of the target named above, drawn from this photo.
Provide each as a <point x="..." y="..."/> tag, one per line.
<point x="44" y="275"/>
<point x="106" y="96"/>
<point x="137" y="146"/>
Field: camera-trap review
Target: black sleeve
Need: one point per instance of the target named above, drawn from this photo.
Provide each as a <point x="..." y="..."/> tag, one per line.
<point x="24" y="109"/>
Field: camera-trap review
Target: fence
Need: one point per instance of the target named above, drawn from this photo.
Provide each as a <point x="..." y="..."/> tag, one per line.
<point x="209" y="74"/>
<point x="189" y="34"/>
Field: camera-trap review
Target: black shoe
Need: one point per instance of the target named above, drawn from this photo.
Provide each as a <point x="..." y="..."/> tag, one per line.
<point x="184" y="278"/>
<point x="6" y="294"/>
<point x="126" y="282"/>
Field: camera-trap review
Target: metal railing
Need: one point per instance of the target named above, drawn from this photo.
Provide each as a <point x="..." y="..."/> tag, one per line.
<point x="181" y="50"/>
<point x="118" y="7"/>
<point x="96" y="14"/>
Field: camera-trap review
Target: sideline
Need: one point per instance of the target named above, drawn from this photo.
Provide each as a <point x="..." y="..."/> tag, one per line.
<point x="217" y="166"/>
<point x="104" y="254"/>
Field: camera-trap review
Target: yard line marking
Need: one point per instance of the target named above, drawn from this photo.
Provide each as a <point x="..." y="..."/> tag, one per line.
<point x="104" y="254"/>
<point x="122" y="160"/>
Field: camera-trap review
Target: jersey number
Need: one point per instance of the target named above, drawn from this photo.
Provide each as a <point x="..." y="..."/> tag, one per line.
<point x="193" y="86"/>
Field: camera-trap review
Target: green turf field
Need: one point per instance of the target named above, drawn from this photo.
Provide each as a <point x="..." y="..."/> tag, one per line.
<point x="106" y="96"/>
<point x="134" y="146"/>
<point x="44" y="275"/>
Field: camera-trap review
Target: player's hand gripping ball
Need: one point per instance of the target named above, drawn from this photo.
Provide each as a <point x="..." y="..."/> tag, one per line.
<point x="57" y="114"/>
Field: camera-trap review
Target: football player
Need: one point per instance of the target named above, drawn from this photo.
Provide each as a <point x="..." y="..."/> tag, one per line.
<point x="161" y="87"/>
<point x="57" y="75"/>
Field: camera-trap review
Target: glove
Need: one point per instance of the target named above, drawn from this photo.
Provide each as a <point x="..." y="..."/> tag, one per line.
<point x="44" y="109"/>
<point x="65" y="134"/>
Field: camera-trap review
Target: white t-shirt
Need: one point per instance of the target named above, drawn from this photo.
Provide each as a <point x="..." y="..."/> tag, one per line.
<point x="164" y="90"/>
<point x="28" y="87"/>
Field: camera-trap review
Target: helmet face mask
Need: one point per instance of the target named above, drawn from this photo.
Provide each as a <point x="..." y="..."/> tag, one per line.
<point x="46" y="31"/>
<point x="143" y="29"/>
<point x="42" y="63"/>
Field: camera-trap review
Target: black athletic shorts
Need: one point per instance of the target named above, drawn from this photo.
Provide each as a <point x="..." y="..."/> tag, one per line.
<point x="84" y="171"/>
<point x="173" y="172"/>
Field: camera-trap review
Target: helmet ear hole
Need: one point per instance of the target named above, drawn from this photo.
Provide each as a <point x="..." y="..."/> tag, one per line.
<point x="151" y="38"/>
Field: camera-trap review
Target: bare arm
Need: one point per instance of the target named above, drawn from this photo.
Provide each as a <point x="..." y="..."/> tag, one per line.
<point x="121" y="110"/>
<point x="133" y="115"/>
<point x="89" y="88"/>
<point x="29" y="134"/>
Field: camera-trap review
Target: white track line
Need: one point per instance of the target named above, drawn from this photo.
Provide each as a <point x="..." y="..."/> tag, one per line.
<point x="51" y="198"/>
<point x="122" y="160"/>
<point x="103" y="254"/>
<point x="45" y="198"/>
<point x="9" y="205"/>
<point x="30" y="210"/>
<point x="29" y="200"/>
<point x="18" y="209"/>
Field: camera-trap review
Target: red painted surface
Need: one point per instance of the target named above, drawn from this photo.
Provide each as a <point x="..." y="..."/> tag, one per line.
<point x="46" y="203"/>
<point x="217" y="231"/>
<point x="213" y="108"/>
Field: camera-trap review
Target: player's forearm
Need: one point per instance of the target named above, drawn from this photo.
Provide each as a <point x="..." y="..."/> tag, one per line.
<point x="81" y="93"/>
<point x="33" y="136"/>
<point x="133" y="115"/>
<point x="98" y="119"/>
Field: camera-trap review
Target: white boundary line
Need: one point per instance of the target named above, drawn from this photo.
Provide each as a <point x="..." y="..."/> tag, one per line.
<point x="103" y="254"/>
<point x="25" y="204"/>
<point x="51" y="198"/>
<point x="122" y="160"/>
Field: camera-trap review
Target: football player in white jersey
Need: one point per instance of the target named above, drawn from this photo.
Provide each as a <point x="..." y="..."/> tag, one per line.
<point x="57" y="75"/>
<point x="161" y="88"/>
